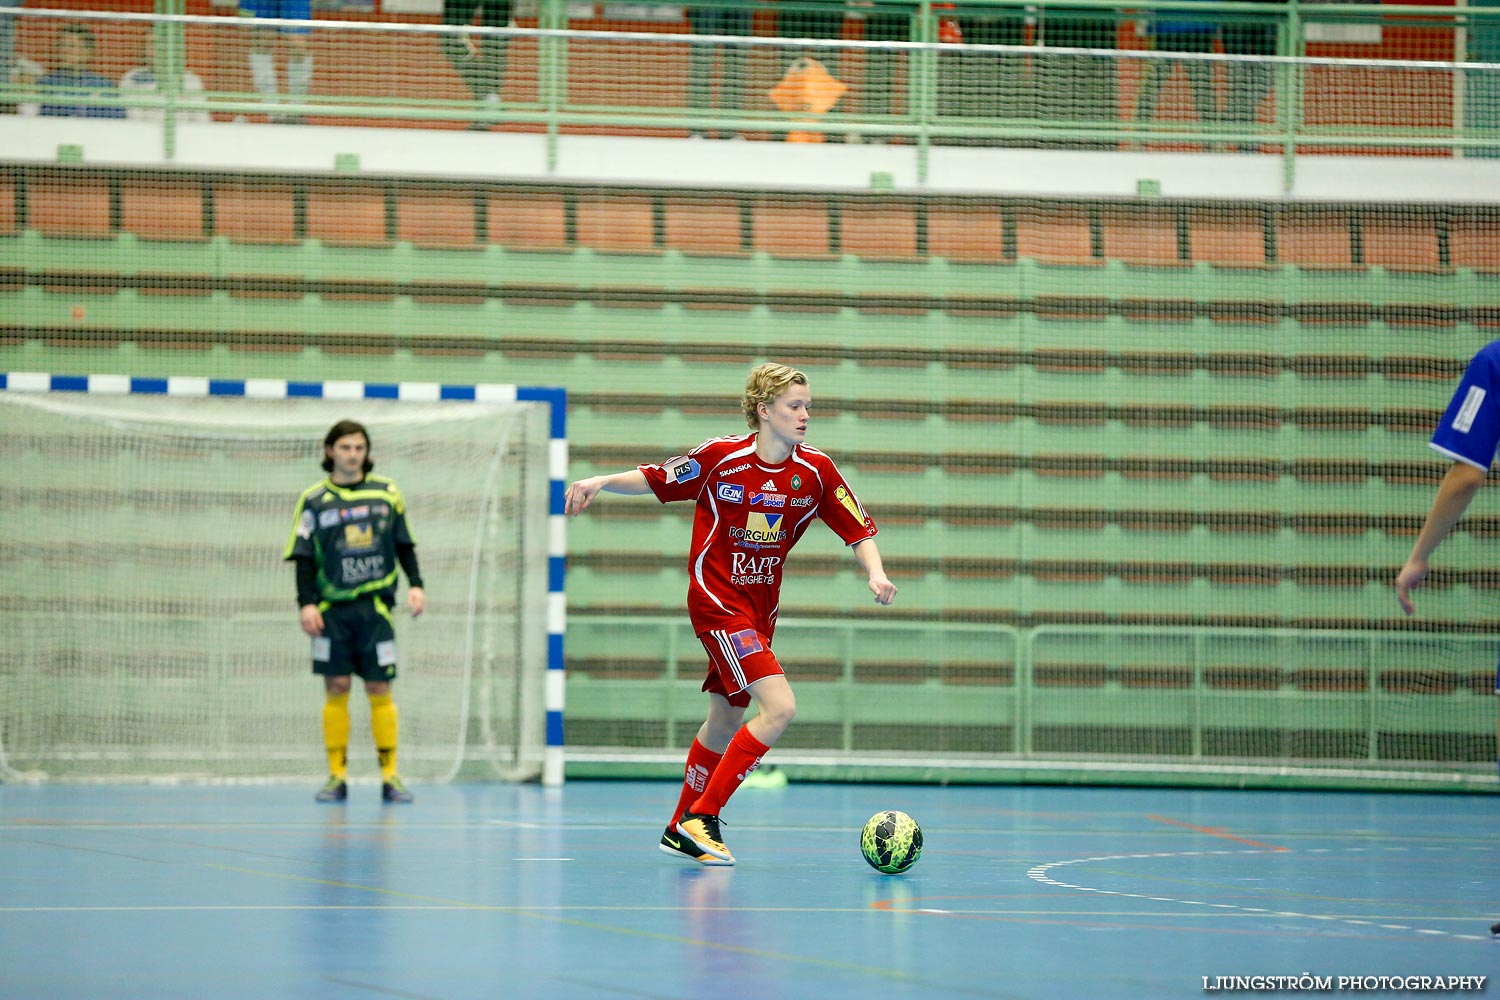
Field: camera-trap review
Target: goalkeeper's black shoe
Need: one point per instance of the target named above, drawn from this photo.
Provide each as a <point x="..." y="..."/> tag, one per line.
<point x="676" y="844"/>
<point x="335" y="790"/>
<point x="394" y="791"/>
<point x="703" y="830"/>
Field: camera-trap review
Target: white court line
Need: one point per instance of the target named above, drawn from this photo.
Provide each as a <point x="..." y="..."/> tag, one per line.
<point x="1040" y="873"/>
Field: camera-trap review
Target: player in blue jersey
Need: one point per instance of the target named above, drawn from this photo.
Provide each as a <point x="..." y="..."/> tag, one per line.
<point x="1468" y="434"/>
<point x="349" y="534"/>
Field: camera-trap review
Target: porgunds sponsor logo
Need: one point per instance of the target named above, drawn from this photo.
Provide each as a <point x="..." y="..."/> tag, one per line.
<point x="731" y="492"/>
<point x="358" y="536"/>
<point x="759" y="529"/>
<point x="747" y="570"/>
<point x="731" y="471"/>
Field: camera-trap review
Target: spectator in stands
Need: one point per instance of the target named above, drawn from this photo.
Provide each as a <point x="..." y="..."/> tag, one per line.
<point x="984" y="84"/>
<point x="1482" y="89"/>
<point x="878" y="86"/>
<point x="7" y="51"/>
<point x="143" y="80"/>
<point x="1077" y="89"/>
<point x="480" y="65"/>
<point x="1468" y="434"/>
<point x="263" y="45"/>
<point x="24" y="75"/>
<point x="73" y="76"/>
<point x="717" y="21"/>
<point x="1249" y="82"/>
<point x="812" y="19"/>
<point x="1174" y="31"/>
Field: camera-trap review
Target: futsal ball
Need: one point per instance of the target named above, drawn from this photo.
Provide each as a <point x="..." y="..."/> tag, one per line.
<point x="891" y="842"/>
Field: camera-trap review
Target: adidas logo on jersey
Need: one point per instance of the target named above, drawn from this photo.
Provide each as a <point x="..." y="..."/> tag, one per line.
<point x="769" y="484"/>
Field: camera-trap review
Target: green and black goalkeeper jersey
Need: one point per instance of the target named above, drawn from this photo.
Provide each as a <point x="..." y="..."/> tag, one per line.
<point x="355" y="537"/>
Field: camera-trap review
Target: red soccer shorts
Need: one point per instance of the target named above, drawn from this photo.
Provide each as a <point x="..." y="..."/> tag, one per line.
<point x="737" y="658"/>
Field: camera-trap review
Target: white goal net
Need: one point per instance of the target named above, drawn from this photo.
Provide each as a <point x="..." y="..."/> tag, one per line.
<point x="149" y="620"/>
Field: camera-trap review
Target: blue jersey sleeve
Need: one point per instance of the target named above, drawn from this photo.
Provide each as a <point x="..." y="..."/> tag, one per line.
<point x="1470" y="428"/>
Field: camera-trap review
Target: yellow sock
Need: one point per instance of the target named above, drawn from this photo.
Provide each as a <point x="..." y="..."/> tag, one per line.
<point x="336" y="734"/>
<point x="384" y="723"/>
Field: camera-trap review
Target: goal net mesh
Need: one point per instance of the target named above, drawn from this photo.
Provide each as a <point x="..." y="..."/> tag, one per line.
<point x="150" y="624"/>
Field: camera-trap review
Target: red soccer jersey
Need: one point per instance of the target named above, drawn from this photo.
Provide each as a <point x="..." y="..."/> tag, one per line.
<point x="748" y="518"/>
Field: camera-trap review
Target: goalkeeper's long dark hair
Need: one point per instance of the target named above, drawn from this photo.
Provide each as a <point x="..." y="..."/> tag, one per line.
<point x="343" y="429"/>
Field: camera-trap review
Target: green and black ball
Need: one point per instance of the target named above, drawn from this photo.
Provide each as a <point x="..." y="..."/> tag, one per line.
<point x="891" y="842"/>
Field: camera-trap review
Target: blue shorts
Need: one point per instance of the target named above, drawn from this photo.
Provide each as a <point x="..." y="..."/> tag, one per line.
<point x="291" y="10"/>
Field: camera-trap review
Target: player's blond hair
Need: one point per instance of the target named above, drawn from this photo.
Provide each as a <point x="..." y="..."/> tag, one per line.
<point x="763" y="386"/>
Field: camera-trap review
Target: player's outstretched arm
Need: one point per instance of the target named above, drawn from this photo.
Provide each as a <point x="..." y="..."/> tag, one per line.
<point x="869" y="560"/>
<point x="581" y="493"/>
<point x="1453" y="497"/>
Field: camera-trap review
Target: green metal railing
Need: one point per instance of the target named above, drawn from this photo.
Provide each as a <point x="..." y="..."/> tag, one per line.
<point x="1465" y="120"/>
<point x="1327" y="707"/>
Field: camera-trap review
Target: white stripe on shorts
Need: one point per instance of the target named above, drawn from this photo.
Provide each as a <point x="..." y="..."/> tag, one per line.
<point x="727" y="648"/>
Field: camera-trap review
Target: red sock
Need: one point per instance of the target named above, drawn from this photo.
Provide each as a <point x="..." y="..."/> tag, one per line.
<point x="742" y="757"/>
<point x="701" y="762"/>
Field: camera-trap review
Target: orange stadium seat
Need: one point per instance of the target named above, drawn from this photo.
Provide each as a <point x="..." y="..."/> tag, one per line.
<point x="8" y="213"/>
<point x="880" y="230"/>
<point x="1141" y="236"/>
<point x="976" y="235"/>
<point x="438" y="218"/>
<point x="792" y="227"/>
<point x="347" y="214"/>
<point x="252" y="212"/>
<point x="616" y="223"/>
<point x="1474" y="240"/>
<point x="1404" y="241"/>
<point x="63" y="205"/>
<point x="1227" y="236"/>
<point x="1055" y="234"/>
<point x="162" y="209"/>
<point x="1315" y="237"/>
<point x="528" y="221"/>
<point x="712" y="226"/>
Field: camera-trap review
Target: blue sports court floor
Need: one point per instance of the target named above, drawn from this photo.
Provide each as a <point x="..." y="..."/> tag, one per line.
<point x="500" y="891"/>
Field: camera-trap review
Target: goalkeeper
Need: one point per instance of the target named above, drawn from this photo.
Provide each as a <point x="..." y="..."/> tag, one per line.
<point x="348" y="535"/>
